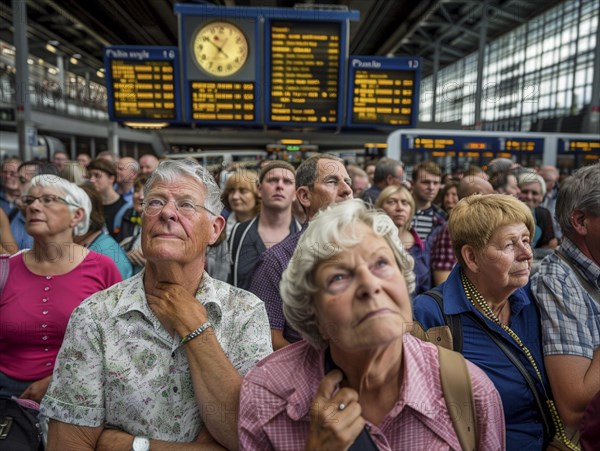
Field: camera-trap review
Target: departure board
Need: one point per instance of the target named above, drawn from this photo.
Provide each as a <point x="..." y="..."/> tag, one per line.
<point x="222" y="101"/>
<point x="303" y="73"/>
<point x="525" y="145"/>
<point x="383" y="92"/>
<point x="142" y="83"/>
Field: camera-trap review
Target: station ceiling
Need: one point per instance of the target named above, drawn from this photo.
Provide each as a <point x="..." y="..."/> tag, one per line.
<point x="386" y="27"/>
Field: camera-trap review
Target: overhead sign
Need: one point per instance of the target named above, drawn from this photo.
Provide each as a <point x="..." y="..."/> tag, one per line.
<point x="142" y="83"/>
<point x="303" y="72"/>
<point x="383" y="92"/>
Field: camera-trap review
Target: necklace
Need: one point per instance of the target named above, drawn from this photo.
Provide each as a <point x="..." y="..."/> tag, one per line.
<point x="479" y="301"/>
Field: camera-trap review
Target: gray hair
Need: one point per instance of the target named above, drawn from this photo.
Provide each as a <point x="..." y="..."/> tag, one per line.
<point x="385" y="167"/>
<point x="72" y="193"/>
<point x="581" y="191"/>
<point x="328" y="235"/>
<point x="532" y="177"/>
<point x="307" y="172"/>
<point x="171" y="170"/>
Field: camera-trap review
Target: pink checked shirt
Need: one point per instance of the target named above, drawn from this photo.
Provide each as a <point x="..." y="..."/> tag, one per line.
<point x="277" y="393"/>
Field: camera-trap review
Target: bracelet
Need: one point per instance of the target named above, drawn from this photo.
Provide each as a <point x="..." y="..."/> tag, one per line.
<point x="195" y="333"/>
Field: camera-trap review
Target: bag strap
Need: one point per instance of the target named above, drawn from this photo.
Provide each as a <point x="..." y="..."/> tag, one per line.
<point x="458" y="393"/>
<point x="452" y="321"/>
<point x="540" y="398"/>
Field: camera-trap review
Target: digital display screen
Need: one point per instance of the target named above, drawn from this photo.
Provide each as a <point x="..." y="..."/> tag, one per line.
<point x="303" y="72"/>
<point x="383" y="91"/>
<point x="142" y="83"/>
<point x="222" y="101"/>
<point x="434" y="143"/>
<point x="584" y="146"/>
<point x="534" y="145"/>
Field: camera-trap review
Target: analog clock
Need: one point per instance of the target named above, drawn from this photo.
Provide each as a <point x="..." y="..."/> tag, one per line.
<point x="220" y="49"/>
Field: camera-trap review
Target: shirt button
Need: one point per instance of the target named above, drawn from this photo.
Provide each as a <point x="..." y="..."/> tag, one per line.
<point x="175" y="389"/>
<point x="45" y="300"/>
<point x="44" y="325"/>
<point x="45" y="312"/>
<point x="46" y="288"/>
<point x="49" y="364"/>
<point x="45" y="337"/>
<point x="48" y="277"/>
<point x="46" y="349"/>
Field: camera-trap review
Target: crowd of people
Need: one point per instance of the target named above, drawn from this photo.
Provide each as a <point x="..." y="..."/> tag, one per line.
<point x="144" y="305"/>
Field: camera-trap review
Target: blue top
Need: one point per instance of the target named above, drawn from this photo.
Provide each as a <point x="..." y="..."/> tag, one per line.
<point x="524" y="427"/>
<point x="106" y="244"/>
<point x="19" y="231"/>
<point x="421" y="254"/>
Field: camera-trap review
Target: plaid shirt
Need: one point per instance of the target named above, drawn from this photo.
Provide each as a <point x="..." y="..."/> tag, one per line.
<point x="442" y="255"/>
<point x="266" y="278"/>
<point x="276" y="396"/>
<point x="570" y="316"/>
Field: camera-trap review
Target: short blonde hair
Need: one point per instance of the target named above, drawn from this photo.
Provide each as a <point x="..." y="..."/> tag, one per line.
<point x="327" y="235"/>
<point x="475" y="218"/>
<point x="390" y="191"/>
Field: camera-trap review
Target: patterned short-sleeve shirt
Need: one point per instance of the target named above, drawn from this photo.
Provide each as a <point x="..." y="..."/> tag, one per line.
<point x="119" y="367"/>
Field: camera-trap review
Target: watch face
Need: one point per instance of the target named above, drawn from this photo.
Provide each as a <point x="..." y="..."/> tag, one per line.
<point x="220" y="49"/>
<point x="141" y="444"/>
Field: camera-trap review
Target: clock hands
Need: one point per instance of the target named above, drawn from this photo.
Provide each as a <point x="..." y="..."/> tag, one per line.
<point x="220" y="49"/>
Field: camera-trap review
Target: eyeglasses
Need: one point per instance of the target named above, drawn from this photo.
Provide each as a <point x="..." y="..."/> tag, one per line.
<point x="185" y="207"/>
<point x="533" y="193"/>
<point x="45" y="199"/>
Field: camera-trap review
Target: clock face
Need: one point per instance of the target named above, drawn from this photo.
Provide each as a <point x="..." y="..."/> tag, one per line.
<point x="220" y="49"/>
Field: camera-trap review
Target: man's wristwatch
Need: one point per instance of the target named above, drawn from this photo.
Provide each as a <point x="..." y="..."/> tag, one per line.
<point x="141" y="444"/>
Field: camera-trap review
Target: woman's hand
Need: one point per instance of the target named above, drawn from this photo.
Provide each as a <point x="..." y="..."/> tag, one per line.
<point x="335" y="421"/>
<point x="37" y="390"/>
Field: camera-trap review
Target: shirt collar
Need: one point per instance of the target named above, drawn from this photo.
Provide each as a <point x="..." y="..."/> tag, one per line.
<point x="587" y="268"/>
<point x="456" y="302"/>
<point x="132" y="298"/>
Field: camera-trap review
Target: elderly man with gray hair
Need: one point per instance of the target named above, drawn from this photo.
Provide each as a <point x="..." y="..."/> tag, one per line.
<point x="567" y="289"/>
<point x="155" y="362"/>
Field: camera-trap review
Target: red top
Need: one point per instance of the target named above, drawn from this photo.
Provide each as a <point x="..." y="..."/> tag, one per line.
<point x="34" y="311"/>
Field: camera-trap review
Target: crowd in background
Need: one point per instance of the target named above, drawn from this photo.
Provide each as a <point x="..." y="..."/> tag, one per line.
<point x="507" y="255"/>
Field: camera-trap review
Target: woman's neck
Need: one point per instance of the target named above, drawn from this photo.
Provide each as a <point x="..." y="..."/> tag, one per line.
<point x="408" y="240"/>
<point x="497" y="303"/>
<point x="244" y="216"/>
<point x="375" y="375"/>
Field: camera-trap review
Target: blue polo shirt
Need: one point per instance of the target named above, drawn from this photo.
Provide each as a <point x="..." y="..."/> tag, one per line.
<point x="524" y="428"/>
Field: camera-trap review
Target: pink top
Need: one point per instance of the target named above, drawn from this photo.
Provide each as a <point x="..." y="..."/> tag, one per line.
<point x="277" y="393"/>
<point x="34" y="311"/>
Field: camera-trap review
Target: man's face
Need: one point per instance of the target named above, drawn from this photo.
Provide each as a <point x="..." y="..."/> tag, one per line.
<point x="10" y="177"/>
<point x="171" y="236"/>
<point x="148" y="163"/>
<point x="126" y="170"/>
<point x="278" y="189"/>
<point x="26" y="173"/>
<point x="102" y="181"/>
<point x="426" y="187"/>
<point x="395" y="179"/>
<point x="333" y="184"/>
<point x="84" y="159"/>
<point x="60" y="160"/>
<point x="370" y="170"/>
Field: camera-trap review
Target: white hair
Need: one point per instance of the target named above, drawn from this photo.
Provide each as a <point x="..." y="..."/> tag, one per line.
<point x="331" y="232"/>
<point x="72" y="193"/>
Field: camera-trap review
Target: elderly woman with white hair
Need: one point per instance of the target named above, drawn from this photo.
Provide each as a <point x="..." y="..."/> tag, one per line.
<point x="532" y="191"/>
<point x="45" y="284"/>
<point x="358" y="380"/>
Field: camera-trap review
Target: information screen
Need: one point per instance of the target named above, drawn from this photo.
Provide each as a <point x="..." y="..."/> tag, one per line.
<point x="142" y="83"/>
<point x="533" y="145"/>
<point x="223" y="101"/>
<point x="383" y="92"/>
<point x="303" y="73"/>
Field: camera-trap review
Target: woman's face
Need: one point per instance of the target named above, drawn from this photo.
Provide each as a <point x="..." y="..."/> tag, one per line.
<point x="241" y="198"/>
<point x="49" y="216"/>
<point x="531" y="194"/>
<point x="362" y="300"/>
<point x="398" y="208"/>
<point x="138" y="198"/>
<point x="506" y="260"/>
<point x="450" y="199"/>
